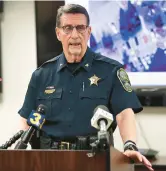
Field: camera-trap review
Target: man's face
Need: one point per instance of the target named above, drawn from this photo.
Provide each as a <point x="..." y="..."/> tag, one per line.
<point x="74" y="41"/>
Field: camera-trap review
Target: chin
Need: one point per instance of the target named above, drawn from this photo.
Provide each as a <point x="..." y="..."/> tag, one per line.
<point x="75" y="52"/>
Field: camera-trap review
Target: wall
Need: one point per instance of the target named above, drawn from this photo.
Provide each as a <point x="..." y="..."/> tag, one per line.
<point x="19" y="60"/>
<point x="151" y="123"/>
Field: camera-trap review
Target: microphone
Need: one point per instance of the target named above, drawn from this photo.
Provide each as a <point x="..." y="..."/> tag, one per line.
<point x="12" y="140"/>
<point x="35" y="121"/>
<point x="102" y="120"/>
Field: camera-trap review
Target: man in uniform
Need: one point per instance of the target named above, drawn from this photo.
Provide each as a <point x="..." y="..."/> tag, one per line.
<point x="74" y="83"/>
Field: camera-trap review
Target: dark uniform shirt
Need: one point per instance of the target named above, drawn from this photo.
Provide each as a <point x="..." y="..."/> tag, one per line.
<point x="72" y="96"/>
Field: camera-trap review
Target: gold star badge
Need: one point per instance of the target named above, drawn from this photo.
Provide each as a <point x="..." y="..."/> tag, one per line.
<point x="94" y="80"/>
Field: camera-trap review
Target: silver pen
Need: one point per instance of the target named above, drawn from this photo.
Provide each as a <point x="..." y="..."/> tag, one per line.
<point x="83" y="86"/>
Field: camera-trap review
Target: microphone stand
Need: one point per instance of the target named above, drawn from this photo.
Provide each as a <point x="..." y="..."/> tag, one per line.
<point x="102" y="144"/>
<point x="12" y="140"/>
<point x="104" y="140"/>
<point x="26" y="137"/>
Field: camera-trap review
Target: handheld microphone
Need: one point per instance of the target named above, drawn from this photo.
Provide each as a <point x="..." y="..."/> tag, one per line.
<point x="35" y="121"/>
<point x="12" y="140"/>
<point x="102" y="120"/>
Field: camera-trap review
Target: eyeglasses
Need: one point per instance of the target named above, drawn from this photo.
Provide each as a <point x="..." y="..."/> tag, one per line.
<point x="69" y="28"/>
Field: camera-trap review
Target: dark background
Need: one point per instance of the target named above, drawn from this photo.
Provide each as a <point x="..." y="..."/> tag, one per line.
<point x="47" y="44"/>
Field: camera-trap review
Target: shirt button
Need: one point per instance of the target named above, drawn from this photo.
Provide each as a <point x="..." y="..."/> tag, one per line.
<point x="70" y="92"/>
<point x="69" y="108"/>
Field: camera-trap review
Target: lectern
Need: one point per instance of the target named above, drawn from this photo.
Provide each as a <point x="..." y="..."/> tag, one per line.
<point x="51" y="160"/>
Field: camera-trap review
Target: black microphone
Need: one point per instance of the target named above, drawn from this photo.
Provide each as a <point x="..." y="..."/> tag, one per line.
<point x="35" y="121"/>
<point x="12" y="140"/>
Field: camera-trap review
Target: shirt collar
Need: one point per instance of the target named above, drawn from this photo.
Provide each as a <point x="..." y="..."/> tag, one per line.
<point x="86" y="63"/>
<point x="62" y="62"/>
<point x="87" y="60"/>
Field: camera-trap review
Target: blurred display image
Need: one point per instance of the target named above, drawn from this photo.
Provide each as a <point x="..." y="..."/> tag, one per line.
<point x="132" y="32"/>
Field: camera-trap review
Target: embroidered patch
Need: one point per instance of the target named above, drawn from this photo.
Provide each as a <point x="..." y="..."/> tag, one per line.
<point x="50" y="90"/>
<point x="124" y="79"/>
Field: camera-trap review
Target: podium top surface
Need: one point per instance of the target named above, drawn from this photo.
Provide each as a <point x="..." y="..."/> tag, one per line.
<point x="64" y="160"/>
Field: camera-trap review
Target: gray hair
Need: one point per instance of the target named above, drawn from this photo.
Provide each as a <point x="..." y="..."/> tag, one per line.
<point x="71" y="9"/>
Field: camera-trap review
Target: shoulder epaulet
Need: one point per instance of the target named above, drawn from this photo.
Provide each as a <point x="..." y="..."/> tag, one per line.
<point x="107" y="60"/>
<point x="49" y="61"/>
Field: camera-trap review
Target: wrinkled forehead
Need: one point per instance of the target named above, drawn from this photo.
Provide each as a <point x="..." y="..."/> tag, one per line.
<point x="73" y="19"/>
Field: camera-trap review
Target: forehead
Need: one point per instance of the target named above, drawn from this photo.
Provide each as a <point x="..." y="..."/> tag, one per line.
<point x="73" y="19"/>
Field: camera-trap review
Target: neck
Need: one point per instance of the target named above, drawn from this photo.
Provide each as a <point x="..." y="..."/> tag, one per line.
<point x="73" y="58"/>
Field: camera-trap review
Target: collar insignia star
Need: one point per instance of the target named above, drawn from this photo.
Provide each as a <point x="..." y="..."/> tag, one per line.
<point x="87" y="65"/>
<point x="94" y="80"/>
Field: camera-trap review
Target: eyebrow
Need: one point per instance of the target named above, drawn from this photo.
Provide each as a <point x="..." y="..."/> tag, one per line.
<point x="74" y="25"/>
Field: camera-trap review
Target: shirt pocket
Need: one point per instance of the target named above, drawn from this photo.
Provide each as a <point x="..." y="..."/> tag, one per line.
<point x="52" y="101"/>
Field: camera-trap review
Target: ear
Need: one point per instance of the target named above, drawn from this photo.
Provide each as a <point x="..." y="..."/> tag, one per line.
<point x="57" y="30"/>
<point x="89" y="31"/>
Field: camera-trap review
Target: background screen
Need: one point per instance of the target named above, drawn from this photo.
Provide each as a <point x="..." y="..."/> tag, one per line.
<point x="134" y="33"/>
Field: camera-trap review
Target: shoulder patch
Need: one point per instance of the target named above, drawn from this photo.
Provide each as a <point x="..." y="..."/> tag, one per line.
<point x="124" y="79"/>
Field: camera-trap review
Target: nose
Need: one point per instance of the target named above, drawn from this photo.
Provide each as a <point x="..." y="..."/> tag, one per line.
<point x="74" y="33"/>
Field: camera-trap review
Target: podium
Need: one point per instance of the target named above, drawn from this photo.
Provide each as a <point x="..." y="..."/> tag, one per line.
<point x="56" y="160"/>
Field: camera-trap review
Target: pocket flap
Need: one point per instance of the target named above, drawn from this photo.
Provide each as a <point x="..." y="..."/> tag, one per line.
<point x="93" y="93"/>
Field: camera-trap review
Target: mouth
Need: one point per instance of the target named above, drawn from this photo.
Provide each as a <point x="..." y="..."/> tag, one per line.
<point x="75" y="44"/>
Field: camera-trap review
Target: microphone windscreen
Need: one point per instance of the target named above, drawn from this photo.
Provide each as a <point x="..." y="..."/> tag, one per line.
<point x="42" y="109"/>
<point x="36" y="120"/>
<point x="101" y="112"/>
<point x="101" y="107"/>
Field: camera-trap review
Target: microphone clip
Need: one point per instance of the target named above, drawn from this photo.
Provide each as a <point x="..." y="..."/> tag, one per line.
<point x="101" y="144"/>
<point x="95" y="148"/>
<point x="104" y="139"/>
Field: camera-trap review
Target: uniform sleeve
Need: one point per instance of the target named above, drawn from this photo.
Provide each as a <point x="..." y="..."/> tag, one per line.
<point x="30" y="98"/>
<point x="123" y="96"/>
